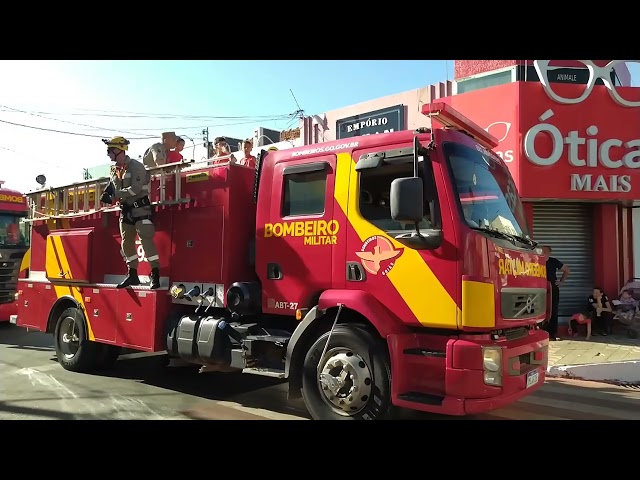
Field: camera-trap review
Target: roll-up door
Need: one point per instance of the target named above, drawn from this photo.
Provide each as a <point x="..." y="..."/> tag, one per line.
<point x="567" y="228"/>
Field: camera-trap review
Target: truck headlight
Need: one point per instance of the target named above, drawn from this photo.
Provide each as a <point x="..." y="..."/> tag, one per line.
<point x="491" y="358"/>
<point x="492" y="365"/>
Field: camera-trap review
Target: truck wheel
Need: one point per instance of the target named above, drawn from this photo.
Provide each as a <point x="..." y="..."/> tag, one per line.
<point x="353" y="381"/>
<point x="74" y="350"/>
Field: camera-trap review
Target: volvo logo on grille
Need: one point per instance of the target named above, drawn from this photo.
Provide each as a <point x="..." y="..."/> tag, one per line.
<point x="5" y="264"/>
<point x="529" y="304"/>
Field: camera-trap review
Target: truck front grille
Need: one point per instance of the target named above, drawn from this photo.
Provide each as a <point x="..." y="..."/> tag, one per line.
<point x="522" y="303"/>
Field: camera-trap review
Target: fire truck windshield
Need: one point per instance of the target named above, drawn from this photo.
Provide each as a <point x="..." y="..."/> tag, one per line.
<point x="486" y="191"/>
<point x="12" y="232"/>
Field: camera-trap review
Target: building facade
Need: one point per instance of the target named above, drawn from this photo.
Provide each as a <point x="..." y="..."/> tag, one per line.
<point x="571" y="144"/>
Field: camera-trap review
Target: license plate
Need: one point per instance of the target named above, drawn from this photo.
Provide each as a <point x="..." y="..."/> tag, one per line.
<point x="532" y="378"/>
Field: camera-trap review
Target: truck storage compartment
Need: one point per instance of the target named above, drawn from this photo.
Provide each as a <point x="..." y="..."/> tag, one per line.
<point x="69" y="255"/>
<point x="140" y="318"/>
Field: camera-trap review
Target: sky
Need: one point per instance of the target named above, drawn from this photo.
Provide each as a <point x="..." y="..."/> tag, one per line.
<point x="53" y="114"/>
<point x="85" y="101"/>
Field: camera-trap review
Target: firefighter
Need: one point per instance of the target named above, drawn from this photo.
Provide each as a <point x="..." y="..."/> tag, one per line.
<point x="157" y="153"/>
<point x="130" y="185"/>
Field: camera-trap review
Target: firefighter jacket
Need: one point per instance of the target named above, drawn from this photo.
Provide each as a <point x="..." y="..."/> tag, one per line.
<point x="155" y="155"/>
<point x="132" y="189"/>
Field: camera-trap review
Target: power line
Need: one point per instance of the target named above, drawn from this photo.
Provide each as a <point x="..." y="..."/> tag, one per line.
<point x="65" y="121"/>
<point x="198" y="127"/>
<point x="166" y="116"/>
<point x="67" y="133"/>
<point x="133" y="131"/>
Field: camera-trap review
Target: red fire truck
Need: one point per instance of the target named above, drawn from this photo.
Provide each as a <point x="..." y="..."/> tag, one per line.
<point x="14" y="244"/>
<point x="371" y="272"/>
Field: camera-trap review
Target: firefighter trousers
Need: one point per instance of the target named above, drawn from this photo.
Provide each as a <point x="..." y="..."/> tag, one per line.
<point x="146" y="231"/>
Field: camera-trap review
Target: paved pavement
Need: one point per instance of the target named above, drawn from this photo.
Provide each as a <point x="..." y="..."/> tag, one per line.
<point x="578" y="351"/>
<point x="34" y="386"/>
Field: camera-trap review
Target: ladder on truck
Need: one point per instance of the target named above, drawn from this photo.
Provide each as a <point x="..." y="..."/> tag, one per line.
<point x="74" y="200"/>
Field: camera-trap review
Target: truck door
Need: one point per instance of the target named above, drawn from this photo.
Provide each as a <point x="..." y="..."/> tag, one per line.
<point x="298" y="242"/>
<point x="417" y="284"/>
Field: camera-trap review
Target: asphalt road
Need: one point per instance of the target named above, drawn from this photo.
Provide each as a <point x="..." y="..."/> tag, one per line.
<point x="34" y="386"/>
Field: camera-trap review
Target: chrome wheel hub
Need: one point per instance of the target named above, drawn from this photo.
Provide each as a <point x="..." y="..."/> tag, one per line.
<point x="70" y="341"/>
<point x="345" y="381"/>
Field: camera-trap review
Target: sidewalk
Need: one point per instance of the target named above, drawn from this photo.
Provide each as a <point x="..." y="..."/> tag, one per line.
<point x="610" y="358"/>
<point x="577" y="351"/>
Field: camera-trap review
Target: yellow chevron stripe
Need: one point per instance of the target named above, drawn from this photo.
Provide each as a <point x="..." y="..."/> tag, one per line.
<point x="26" y="260"/>
<point x="56" y="260"/>
<point x="428" y="300"/>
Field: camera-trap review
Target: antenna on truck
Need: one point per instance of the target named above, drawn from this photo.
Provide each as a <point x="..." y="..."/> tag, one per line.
<point x="449" y="117"/>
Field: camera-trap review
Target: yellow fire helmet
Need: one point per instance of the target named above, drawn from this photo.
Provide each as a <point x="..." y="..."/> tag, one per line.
<point x="120" y="143"/>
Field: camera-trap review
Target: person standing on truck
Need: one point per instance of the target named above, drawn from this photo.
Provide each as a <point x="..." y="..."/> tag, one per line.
<point x="130" y="185"/>
<point x="157" y="153"/>
<point x="175" y="155"/>
<point x="223" y="151"/>
<point x="248" y="160"/>
<point x="553" y="265"/>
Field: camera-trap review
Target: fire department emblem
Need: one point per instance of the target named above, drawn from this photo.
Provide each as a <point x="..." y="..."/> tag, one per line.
<point x="378" y="253"/>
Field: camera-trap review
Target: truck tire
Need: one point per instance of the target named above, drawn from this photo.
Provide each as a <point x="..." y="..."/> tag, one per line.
<point x="354" y="379"/>
<point x="74" y="350"/>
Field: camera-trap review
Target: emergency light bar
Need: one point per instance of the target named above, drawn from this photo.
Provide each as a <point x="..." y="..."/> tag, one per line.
<point x="451" y="118"/>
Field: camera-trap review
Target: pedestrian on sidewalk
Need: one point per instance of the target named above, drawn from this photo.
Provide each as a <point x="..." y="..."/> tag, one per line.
<point x="601" y="312"/>
<point x="553" y="266"/>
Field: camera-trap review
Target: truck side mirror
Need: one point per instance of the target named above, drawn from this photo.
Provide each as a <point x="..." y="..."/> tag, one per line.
<point x="406" y="200"/>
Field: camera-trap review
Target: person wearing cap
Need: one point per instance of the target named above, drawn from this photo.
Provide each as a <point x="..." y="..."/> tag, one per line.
<point x="157" y="153"/>
<point x="130" y="185"/>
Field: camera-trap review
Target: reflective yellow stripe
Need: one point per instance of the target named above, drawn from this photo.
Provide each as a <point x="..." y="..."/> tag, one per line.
<point x="414" y="281"/>
<point x="26" y="260"/>
<point x="53" y="266"/>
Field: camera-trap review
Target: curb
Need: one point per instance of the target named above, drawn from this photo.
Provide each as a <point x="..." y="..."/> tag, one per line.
<point x="616" y="373"/>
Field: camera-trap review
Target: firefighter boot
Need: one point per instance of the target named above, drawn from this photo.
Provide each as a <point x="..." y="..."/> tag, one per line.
<point x="154" y="279"/>
<point x="130" y="279"/>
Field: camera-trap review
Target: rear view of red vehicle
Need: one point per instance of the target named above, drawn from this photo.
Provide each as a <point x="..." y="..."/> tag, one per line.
<point x="14" y="245"/>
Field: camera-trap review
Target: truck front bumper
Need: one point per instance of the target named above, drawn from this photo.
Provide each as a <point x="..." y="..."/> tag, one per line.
<point x="448" y="375"/>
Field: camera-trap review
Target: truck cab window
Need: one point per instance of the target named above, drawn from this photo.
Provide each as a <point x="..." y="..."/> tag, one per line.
<point x="375" y="185"/>
<point x="304" y="194"/>
<point x="11" y="233"/>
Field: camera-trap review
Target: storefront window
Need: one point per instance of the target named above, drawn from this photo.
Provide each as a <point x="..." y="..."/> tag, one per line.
<point x="485" y="81"/>
<point x="13" y="233"/>
<point x="487" y="193"/>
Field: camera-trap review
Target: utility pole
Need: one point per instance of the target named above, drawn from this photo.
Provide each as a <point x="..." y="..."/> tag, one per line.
<point x="205" y="139"/>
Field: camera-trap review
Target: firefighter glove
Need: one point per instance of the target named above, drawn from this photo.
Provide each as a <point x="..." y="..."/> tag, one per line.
<point x="106" y="198"/>
<point x="110" y="190"/>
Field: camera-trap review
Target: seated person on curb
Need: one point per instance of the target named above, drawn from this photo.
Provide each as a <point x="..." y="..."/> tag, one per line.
<point x="600" y="312"/>
<point x="626" y="306"/>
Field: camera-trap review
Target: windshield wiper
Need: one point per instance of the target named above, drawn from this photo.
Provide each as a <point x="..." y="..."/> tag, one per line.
<point x="496" y="233"/>
<point x="527" y="240"/>
<point x="508" y="236"/>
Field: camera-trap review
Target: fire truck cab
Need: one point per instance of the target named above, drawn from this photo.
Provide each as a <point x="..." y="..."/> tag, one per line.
<point x="379" y="271"/>
<point x="14" y="245"/>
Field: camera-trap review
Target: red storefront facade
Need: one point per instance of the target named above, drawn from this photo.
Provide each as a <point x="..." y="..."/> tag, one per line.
<point x="574" y="152"/>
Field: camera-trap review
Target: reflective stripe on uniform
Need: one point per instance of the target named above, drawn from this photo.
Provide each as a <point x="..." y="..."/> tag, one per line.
<point x="133" y="194"/>
<point x="145" y="188"/>
<point x="153" y="258"/>
<point x="147" y="222"/>
<point x="127" y="175"/>
<point x="132" y="257"/>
